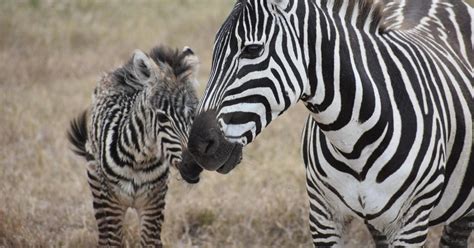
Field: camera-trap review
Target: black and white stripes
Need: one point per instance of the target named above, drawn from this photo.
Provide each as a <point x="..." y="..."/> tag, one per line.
<point x="137" y="127"/>
<point x="390" y="92"/>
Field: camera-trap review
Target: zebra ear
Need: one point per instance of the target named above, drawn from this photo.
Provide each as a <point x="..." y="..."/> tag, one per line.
<point x="143" y="66"/>
<point x="191" y="61"/>
<point x="283" y="4"/>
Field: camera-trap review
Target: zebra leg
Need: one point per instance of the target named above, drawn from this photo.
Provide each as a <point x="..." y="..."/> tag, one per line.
<point x="379" y="238"/>
<point x="152" y="215"/>
<point x="325" y="231"/>
<point x="414" y="231"/>
<point x="456" y="234"/>
<point x="109" y="213"/>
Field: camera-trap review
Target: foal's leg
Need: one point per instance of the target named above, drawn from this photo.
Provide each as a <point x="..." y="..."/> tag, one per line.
<point x="151" y="216"/>
<point x="379" y="238"/>
<point x="456" y="234"/>
<point x="109" y="213"/>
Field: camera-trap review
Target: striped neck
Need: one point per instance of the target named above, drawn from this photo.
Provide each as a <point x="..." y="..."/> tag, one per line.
<point x="342" y="93"/>
<point x="140" y="129"/>
<point x="341" y="28"/>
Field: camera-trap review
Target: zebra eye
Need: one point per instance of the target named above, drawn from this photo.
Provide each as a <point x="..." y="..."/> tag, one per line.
<point x="252" y="51"/>
<point x="162" y="118"/>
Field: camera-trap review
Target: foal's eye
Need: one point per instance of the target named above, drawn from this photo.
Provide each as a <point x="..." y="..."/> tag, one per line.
<point x="162" y="118"/>
<point x="252" y="51"/>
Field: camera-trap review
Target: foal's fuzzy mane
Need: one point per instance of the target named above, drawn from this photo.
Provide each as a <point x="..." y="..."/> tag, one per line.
<point x="125" y="78"/>
<point x="174" y="58"/>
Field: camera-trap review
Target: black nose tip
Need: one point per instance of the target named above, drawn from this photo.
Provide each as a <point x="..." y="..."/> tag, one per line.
<point x="205" y="136"/>
<point x="207" y="145"/>
<point x="188" y="169"/>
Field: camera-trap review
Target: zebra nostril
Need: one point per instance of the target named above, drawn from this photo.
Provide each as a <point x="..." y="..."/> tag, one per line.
<point x="210" y="145"/>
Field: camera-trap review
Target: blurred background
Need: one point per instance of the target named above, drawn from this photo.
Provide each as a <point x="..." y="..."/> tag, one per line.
<point x="52" y="52"/>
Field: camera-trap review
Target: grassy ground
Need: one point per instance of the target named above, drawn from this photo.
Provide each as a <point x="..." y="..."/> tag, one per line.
<point x="52" y="54"/>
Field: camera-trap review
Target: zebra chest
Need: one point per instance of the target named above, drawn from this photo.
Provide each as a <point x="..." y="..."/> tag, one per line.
<point x="132" y="179"/>
<point x="135" y="185"/>
<point x="359" y="199"/>
<point x="366" y="198"/>
<point x="349" y="176"/>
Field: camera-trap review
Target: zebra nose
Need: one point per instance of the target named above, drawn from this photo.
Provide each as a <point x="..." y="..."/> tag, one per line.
<point x="205" y="135"/>
<point x="209" y="145"/>
<point x="188" y="169"/>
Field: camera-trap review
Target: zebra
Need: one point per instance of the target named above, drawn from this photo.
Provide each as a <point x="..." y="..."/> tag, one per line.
<point x="131" y="136"/>
<point x="389" y="91"/>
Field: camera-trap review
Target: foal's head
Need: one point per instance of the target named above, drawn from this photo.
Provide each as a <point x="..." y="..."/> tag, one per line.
<point x="169" y="80"/>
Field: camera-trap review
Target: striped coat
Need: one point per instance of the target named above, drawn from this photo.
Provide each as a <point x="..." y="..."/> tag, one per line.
<point x="134" y="132"/>
<point x="389" y="91"/>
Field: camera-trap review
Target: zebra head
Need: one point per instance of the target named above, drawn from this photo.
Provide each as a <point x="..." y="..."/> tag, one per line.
<point x="169" y="79"/>
<point x="256" y="75"/>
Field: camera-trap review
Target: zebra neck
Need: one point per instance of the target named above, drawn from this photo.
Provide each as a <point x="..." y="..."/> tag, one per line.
<point x="341" y="84"/>
<point x="139" y="132"/>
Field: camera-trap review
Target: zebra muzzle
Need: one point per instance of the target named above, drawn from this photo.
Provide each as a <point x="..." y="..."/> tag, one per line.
<point x="208" y="146"/>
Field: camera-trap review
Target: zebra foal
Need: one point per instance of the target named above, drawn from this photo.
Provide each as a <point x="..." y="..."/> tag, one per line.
<point x="131" y="135"/>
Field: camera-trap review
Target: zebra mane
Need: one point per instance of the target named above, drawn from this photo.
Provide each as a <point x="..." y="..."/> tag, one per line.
<point x="178" y="63"/>
<point x="368" y="10"/>
<point x="231" y="18"/>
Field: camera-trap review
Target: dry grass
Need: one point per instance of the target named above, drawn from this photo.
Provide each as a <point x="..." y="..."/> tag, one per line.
<point x="52" y="53"/>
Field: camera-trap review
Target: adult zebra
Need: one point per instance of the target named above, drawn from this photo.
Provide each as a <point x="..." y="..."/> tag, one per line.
<point x="390" y="91"/>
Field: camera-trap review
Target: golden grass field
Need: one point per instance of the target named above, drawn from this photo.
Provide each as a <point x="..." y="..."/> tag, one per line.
<point x="52" y="53"/>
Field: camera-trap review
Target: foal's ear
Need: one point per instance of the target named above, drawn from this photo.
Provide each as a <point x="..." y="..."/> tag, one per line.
<point x="191" y="61"/>
<point x="143" y="66"/>
<point x="190" y="58"/>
